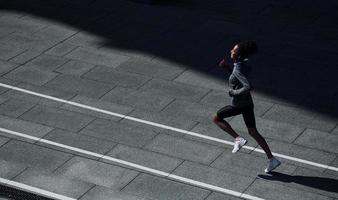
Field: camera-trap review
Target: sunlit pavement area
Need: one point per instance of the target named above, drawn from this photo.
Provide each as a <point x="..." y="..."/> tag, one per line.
<point x="114" y="99"/>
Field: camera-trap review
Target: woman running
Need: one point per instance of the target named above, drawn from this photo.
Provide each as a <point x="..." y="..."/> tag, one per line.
<point x="241" y="101"/>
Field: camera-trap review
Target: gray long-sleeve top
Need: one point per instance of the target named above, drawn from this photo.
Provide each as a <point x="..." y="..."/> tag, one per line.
<point x="239" y="85"/>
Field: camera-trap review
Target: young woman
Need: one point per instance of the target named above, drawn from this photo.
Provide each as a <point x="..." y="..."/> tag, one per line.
<point x="241" y="101"/>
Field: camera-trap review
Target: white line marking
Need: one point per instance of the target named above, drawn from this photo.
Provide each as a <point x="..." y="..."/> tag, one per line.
<point x="133" y="165"/>
<point x="166" y="127"/>
<point x="34" y="190"/>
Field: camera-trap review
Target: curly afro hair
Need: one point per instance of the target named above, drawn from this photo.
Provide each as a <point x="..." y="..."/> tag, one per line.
<point x="247" y="48"/>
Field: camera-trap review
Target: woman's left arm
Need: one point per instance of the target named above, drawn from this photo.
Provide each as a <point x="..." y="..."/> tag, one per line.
<point x="244" y="81"/>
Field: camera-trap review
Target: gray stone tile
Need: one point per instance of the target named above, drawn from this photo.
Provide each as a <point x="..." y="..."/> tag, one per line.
<point x="31" y="155"/>
<point x="6" y="67"/>
<point x="79" y="141"/>
<point x="46" y="62"/>
<point x="334" y="163"/>
<point x="201" y="79"/>
<point x="8" y="82"/>
<point x="184" y="149"/>
<point x="138" y="99"/>
<point x="162" y="119"/>
<point x="7" y="52"/>
<point x="15" y="108"/>
<point x="75" y="67"/>
<point x="102" y="193"/>
<point x="58" y="118"/>
<point x="23" y="126"/>
<point x="311" y="181"/>
<point x="247" y="164"/>
<point x="13" y="14"/>
<point x="214" y="176"/>
<point x="9" y="170"/>
<point x="27" y="41"/>
<point x="131" y="53"/>
<point x="270" y="190"/>
<point x="145" y="158"/>
<point x="3" y="99"/>
<point x="149" y="68"/>
<point x="86" y="40"/>
<point x="301" y="152"/>
<point x="19" y="25"/>
<point x="54" y="183"/>
<point x="55" y="33"/>
<point x="270" y="129"/>
<point x="31" y="75"/>
<point x="100" y="104"/>
<point x="159" y="188"/>
<point x="80" y="86"/>
<point x="172" y="89"/>
<point x="218" y="98"/>
<point x="274" y="96"/>
<point x="335" y="131"/>
<point x="117" y="132"/>
<point x="98" y="173"/>
<point x="115" y="77"/>
<point x="190" y="110"/>
<point x="218" y="196"/>
<point x="261" y="107"/>
<point x="39" y="100"/>
<point x="318" y="140"/>
<point x="3" y="140"/>
<point x="96" y="57"/>
<point x="35" y="18"/>
<point x="25" y="56"/>
<point x="61" y="49"/>
<point x="323" y="122"/>
<point x="4" y="32"/>
<point x="299" y="117"/>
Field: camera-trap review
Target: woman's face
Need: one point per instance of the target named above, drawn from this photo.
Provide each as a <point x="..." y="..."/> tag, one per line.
<point x="234" y="53"/>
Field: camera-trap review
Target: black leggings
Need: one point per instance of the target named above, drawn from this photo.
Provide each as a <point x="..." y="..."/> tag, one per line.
<point x="247" y="113"/>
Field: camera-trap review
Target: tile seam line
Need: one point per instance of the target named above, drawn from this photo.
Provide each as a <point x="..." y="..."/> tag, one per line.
<point x="133" y="165"/>
<point x="256" y="149"/>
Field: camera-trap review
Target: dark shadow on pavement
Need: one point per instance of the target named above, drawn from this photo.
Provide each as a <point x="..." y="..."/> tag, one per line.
<point x="321" y="183"/>
<point x="296" y="64"/>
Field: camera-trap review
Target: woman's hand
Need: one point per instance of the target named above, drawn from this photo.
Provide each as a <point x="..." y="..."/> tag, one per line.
<point x="223" y="63"/>
<point x="231" y="92"/>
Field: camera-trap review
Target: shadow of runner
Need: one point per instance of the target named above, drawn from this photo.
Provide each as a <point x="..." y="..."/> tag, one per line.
<point x="326" y="184"/>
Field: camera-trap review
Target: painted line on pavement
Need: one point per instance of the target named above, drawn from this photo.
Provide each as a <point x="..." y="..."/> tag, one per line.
<point x="165" y="126"/>
<point x="33" y="190"/>
<point x="132" y="165"/>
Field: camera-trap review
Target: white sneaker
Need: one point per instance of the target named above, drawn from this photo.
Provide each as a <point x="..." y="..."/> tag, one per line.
<point x="239" y="142"/>
<point x="273" y="163"/>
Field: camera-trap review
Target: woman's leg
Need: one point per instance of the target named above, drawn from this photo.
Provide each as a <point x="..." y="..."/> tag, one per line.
<point x="261" y="141"/>
<point x="225" y="126"/>
<point x="225" y="112"/>
<point x="250" y="122"/>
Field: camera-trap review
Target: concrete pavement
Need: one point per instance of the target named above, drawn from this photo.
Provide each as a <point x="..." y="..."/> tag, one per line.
<point x="158" y="63"/>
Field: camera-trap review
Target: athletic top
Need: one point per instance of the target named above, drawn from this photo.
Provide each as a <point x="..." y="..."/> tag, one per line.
<point x="239" y="85"/>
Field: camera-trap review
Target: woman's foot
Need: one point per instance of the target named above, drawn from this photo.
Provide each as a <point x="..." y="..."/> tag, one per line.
<point x="273" y="163"/>
<point x="238" y="143"/>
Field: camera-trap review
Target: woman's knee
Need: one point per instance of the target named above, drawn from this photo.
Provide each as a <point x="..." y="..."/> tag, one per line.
<point x="215" y="119"/>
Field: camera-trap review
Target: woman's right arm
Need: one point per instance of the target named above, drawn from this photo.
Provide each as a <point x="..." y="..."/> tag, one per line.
<point x="224" y="64"/>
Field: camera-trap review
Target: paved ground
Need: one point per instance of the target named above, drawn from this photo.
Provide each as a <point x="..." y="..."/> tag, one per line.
<point x="158" y="63"/>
